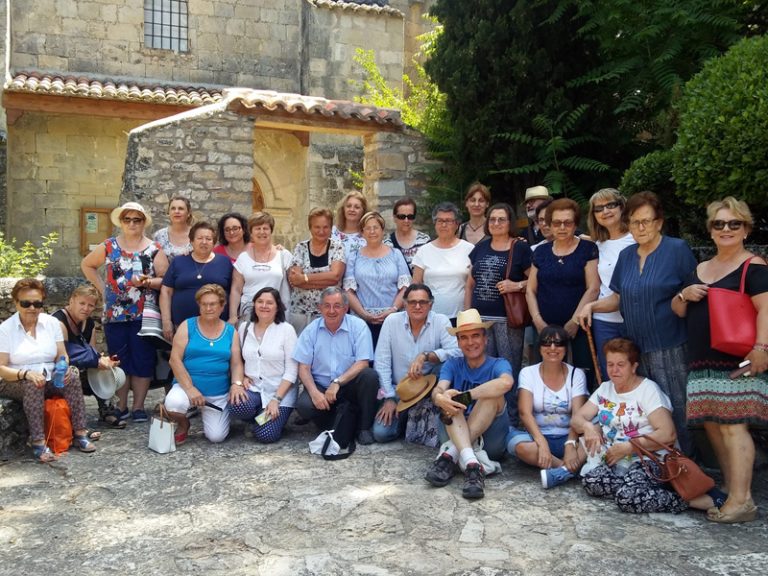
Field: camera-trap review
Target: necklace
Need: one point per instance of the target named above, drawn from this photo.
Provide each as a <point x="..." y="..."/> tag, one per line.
<point x="211" y="341"/>
<point x="475" y="228"/>
<point x="200" y="269"/>
<point x="561" y="256"/>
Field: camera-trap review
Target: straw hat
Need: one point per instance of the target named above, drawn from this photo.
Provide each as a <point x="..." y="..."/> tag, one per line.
<point x="411" y="390"/>
<point x="105" y="383"/>
<point x="468" y="320"/>
<point x="117" y="213"/>
<point x="536" y="193"/>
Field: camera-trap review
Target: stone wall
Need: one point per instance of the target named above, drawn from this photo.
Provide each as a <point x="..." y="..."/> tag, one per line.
<point x="332" y="159"/>
<point x="56" y="164"/>
<point x="252" y="43"/>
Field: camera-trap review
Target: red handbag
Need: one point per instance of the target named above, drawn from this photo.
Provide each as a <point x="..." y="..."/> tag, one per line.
<point x="732" y="319"/>
<point x="515" y="304"/>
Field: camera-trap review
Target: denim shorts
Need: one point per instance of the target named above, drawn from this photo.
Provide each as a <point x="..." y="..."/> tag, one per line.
<point x="556" y="443"/>
<point x="137" y="357"/>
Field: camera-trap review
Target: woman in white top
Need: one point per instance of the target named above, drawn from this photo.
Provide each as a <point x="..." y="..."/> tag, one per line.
<point x="444" y="264"/>
<point x="611" y="234"/>
<point x="267" y="343"/>
<point x="174" y="238"/>
<point x="262" y="265"/>
<point x="548" y="393"/>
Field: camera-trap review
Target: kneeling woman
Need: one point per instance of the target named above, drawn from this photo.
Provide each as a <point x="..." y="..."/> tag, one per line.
<point x="629" y="406"/>
<point x="549" y="392"/>
<point x="267" y="342"/>
<point x="206" y="352"/>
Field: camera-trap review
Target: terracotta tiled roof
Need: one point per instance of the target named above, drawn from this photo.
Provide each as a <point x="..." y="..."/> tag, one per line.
<point x="356" y="7"/>
<point x="312" y="105"/>
<point x="85" y="87"/>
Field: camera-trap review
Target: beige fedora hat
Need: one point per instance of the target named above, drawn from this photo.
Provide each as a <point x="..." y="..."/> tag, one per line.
<point x="411" y="390"/>
<point x="469" y="320"/>
<point x="536" y="192"/>
<point x="117" y="213"/>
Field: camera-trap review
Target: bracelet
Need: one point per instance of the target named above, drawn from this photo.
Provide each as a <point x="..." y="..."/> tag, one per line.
<point x="681" y="296"/>
<point x="306" y="278"/>
<point x="278" y="398"/>
<point x="760" y="347"/>
<point x="570" y="443"/>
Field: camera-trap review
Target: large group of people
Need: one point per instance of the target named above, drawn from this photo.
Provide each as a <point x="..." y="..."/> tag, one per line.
<point x="412" y="333"/>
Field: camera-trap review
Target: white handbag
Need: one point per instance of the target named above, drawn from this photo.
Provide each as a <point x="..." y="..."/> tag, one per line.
<point x="162" y="432"/>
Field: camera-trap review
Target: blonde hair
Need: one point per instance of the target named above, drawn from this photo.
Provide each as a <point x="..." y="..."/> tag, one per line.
<point x="341" y="219"/>
<point x="739" y="208"/>
<point x="597" y="231"/>
<point x="215" y="289"/>
<point x="86" y="291"/>
<point x="372" y="216"/>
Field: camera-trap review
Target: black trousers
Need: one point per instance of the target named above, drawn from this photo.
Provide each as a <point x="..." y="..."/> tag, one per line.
<point x="361" y="391"/>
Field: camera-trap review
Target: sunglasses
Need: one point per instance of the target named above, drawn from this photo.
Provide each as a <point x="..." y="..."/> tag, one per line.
<point x="405" y="216"/>
<point x="551" y="341"/>
<point x="136" y="220"/>
<point x="34" y="303"/>
<point x="732" y="224"/>
<point x="608" y="206"/>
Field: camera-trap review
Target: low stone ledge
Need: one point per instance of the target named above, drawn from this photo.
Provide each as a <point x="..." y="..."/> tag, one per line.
<point x="13" y="428"/>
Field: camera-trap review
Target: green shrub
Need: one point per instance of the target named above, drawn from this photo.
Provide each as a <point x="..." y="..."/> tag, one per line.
<point x="27" y="261"/>
<point x="723" y="136"/>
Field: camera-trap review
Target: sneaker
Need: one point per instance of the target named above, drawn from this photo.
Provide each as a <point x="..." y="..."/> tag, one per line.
<point x="474" y="482"/>
<point x="555" y="477"/>
<point x="123" y="415"/>
<point x="139" y="416"/>
<point x="441" y="471"/>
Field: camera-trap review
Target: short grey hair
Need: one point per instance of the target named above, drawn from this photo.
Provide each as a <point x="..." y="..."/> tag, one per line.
<point x="446" y="207"/>
<point x="331" y="291"/>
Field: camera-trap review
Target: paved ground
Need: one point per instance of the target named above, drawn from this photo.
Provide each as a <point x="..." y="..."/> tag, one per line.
<point x="241" y="508"/>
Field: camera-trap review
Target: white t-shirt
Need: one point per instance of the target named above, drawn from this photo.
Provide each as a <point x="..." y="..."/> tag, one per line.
<point x="258" y="275"/>
<point x="27" y="353"/>
<point x="606" y="262"/>
<point x="625" y="416"/>
<point x="552" y="410"/>
<point x="445" y="272"/>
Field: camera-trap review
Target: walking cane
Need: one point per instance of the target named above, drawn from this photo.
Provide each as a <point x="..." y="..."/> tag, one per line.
<point x="594" y="355"/>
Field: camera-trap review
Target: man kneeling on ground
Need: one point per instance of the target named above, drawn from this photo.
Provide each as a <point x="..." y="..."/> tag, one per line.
<point x="470" y="395"/>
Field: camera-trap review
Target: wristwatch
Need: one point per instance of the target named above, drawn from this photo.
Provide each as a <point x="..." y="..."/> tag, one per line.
<point x="237" y="383"/>
<point x="278" y="398"/>
<point x="681" y="296"/>
<point x="336" y="381"/>
<point x="426" y="356"/>
<point x="571" y="443"/>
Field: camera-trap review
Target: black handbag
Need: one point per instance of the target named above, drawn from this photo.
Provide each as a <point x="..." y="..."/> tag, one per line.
<point x="344" y="431"/>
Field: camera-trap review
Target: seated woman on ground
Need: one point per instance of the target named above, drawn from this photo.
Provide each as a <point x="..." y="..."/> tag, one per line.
<point x="267" y="343"/>
<point x="77" y="326"/>
<point x="205" y="353"/>
<point x="548" y="393"/>
<point x="629" y="406"/>
<point x="30" y="343"/>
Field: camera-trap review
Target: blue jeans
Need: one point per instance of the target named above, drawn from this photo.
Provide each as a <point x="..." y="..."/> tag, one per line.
<point x="604" y="331"/>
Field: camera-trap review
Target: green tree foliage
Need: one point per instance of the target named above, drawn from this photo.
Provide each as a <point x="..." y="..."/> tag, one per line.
<point x="27" y="261"/>
<point x="722" y="143"/>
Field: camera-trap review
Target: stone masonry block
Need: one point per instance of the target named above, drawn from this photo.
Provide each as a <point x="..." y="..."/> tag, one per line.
<point x="389" y="188"/>
<point x="131" y="13"/>
<point x="223" y="9"/>
<point x="391" y="162"/>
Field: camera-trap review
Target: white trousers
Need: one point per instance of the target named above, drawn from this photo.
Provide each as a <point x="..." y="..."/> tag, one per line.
<point x="215" y="423"/>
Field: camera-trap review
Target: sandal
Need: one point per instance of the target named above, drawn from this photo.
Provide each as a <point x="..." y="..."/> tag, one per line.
<point x="42" y="453"/>
<point x="83" y="443"/>
<point x="113" y="419"/>
<point x="94" y="436"/>
<point x="180" y="438"/>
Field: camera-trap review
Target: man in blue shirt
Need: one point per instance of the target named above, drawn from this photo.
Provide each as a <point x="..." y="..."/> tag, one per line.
<point x="470" y="395"/>
<point x="411" y="343"/>
<point x="333" y="353"/>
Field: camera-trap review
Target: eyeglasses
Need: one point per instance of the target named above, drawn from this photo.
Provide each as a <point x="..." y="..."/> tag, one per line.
<point x="418" y="303"/>
<point x="34" y="303"/>
<point x="562" y="223"/>
<point x="642" y="223"/>
<point x="405" y="216"/>
<point x="553" y="342"/>
<point x="732" y="224"/>
<point x="232" y="229"/>
<point x="136" y="220"/>
<point x="500" y="220"/>
<point x="608" y="206"/>
<point x="332" y="306"/>
<point x="541" y="220"/>
<point x="442" y="221"/>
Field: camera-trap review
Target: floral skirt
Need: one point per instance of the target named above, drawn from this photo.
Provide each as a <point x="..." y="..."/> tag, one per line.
<point x="714" y="397"/>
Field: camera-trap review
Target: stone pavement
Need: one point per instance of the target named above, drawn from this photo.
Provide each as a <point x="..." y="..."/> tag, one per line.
<point x="243" y="508"/>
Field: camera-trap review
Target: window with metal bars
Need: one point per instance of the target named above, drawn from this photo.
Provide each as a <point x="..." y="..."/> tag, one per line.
<point x="165" y="25"/>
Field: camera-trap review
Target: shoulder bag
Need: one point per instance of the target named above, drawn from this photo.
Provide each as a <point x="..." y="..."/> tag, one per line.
<point x="732" y="319"/>
<point x="682" y="473"/>
<point x="515" y="305"/>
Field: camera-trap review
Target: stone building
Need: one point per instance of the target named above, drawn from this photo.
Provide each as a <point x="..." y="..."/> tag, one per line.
<point x="83" y="75"/>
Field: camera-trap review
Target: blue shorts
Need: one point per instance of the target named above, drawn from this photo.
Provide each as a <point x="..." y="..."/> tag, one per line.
<point x="556" y="443"/>
<point x="137" y="357"/>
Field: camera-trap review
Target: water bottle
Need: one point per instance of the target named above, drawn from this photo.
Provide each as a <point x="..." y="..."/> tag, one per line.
<point x="60" y="371"/>
<point x="138" y="270"/>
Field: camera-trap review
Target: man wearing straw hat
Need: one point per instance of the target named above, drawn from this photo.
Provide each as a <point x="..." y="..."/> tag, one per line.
<point x="470" y="395"/>
<point x="412" y="345"/>
<point x="534" y="197"/>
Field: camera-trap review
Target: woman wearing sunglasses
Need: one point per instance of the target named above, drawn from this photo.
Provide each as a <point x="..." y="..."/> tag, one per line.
<point x="135" y="266"/>
<point x="548" y="394"/>
<point x="727" y="407"/>
<point x="646" y="278"/>
<point x="30" y="343"/>
<point x="405" y="237"/>
<point x="611" y="234"/>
